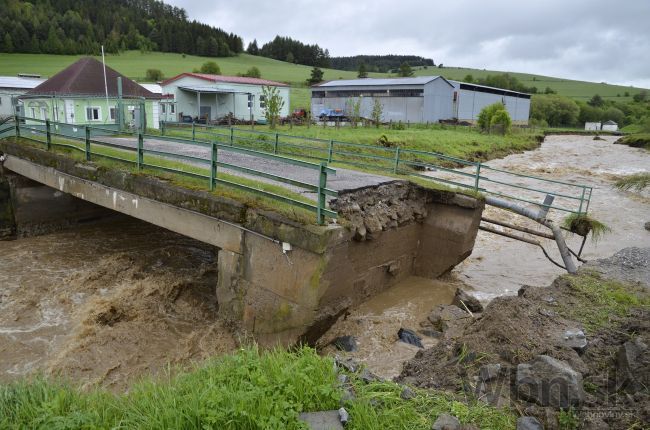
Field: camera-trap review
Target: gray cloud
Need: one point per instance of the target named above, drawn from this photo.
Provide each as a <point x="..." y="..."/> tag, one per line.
<point x="594" y="40"/>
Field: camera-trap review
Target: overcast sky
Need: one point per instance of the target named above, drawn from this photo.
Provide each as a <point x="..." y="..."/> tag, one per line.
<point x="594" y="40"/>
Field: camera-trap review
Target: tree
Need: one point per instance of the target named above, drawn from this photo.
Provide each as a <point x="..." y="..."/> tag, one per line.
<point x="154" y="75"/>
<point x="596" y="101"/>
<point x="354" y="110"/>
<point x="316" y="76"/>
<point x="8" y="44"/>
<point x="377" y="111"/>
<point x="614" y="114"/>
<point x="405" y="70"/>
<point x="274" y="104"/>
<point x="211" y="68"/>
<point x="494" y="117"/>
<point x="468" y="78"/>
<point x="554" y="109"/>
<point x="290" y="58"/>
<point x="253" y="72"/>
<point x="253" y="49"/>
<point x="549" y="90"/>
<point x="363" y="73"/>
<point x="641" y="96"/>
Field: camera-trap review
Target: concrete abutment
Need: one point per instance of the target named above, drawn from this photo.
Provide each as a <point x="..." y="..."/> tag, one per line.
<point x="391" y="232"/>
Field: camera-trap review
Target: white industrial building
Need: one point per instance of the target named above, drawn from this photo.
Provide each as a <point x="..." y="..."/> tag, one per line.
<point x="13" y="86"/>
<point x="210" y="97"/>
<point x="469" y="99"/>
<point x="419" y="99"/>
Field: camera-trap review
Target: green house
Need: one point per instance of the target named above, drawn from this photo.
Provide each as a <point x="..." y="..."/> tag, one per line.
<point x="79" y="95"/>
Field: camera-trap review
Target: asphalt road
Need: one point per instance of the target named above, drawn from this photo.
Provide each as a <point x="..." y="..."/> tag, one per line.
<point x="344" y="179"/>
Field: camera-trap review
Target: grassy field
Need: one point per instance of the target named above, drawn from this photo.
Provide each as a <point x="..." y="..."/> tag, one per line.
<point x="134" y="65"/>
<point x="246" y="390"/>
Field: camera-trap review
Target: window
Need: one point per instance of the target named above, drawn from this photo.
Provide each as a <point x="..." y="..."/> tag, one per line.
<point x="0" y="101"/>
<point x="56" y="115"/>
<point x="262" y="102"/>
<point x="33" y="112"/>
<point x="92" y="113"/>
<point x="163" y="107"/>
<point x="44" y="113"/>
<point x="318" y="94"/>
<point x="172" y="108"/>
<point x="111" y="112"/>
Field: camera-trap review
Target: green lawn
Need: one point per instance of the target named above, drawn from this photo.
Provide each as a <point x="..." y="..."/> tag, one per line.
<point x="134" y="65"/>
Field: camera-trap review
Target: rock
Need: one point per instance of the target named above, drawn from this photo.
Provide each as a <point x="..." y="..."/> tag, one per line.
<point x="446" y="422"/>
<point x="343" y="379"/>
<point x="529" y="423"/>
<point x="471" y="302"/>
<point x="431" y="333"/>
<point x="647" y="226"/>
<point x="344" y="416"/>
<point x="489" y="372"/>
<point x="407" y="394"/>
<point x="347" y="363"/>
<point x="444" y="317"/>
<point x="348" y="395"/>
<point x="323" y="420"/>
<point x="549" y="382"/>
<point x="575" y="339"/>
<point x="409" y="336"/>
<point x="345" y="343"/>
<point x="633" y="365"/>
<point x="368" y="377"/>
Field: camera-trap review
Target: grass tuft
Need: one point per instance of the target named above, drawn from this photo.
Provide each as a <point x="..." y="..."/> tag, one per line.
<point x="582" y="225"/>
<point x="637" y="182"/>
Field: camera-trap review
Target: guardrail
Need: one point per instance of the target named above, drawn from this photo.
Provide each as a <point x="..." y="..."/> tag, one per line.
<point x="432" y="166"/>
<point x="47" y="131"/>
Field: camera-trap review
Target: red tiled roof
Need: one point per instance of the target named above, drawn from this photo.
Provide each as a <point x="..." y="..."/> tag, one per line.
<point x="229" y="79"/>
<point x="86" y="77"/>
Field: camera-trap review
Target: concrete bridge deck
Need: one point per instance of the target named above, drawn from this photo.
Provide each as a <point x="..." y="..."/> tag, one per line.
<point x="277" y="279"/>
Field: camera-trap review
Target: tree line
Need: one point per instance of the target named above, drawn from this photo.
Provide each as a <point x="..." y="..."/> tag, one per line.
<point x="291" y="51"/>
<point x="82" y="26"/>
<point x="379" y="63"/>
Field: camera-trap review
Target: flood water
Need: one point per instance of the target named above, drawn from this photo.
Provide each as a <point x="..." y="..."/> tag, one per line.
<point x="111" y="302"/>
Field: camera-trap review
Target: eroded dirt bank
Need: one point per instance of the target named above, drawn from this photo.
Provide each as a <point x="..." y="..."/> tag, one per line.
<point x="582" y="342"/>
<point x="107" y="303"/>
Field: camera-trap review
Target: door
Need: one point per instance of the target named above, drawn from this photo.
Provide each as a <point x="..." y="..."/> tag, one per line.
<point x="205" y="112"/>
<point x="69" y="111"/>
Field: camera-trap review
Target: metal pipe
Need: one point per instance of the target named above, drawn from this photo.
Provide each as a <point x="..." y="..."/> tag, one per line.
<point x="535" y="215"/>
<point x="518" y="228"/>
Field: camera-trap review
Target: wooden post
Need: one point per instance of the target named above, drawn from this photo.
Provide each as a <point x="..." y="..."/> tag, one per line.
<point x="275" y="145"/>
<point x="48" y="135"/>
<point x="213" y="167"/>
<point x="322" y="201"/>
<point x="87" y="143"/>
<point x="140" y="151"/>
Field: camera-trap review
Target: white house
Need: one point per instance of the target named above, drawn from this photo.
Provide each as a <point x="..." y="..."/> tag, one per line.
<point x="593" y="126"/>
<point x="609" y="126"/>
<point x="212" y="97"/>
<point x="11" y="87"/>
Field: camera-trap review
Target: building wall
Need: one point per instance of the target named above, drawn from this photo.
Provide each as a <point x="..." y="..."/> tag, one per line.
<point x="73" y="110"/>
<point x="6" y="100"/>
<point x="221" y="104"/>
<point x="470" y="103"/>
<point x="438" y="101"/>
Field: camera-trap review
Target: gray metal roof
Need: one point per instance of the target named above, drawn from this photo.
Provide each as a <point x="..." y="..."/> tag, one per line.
<point x="212" y="90"/>
<point x="153" y="87"/>
<point x="19" y="82"/>
<point x="377" y="82"/>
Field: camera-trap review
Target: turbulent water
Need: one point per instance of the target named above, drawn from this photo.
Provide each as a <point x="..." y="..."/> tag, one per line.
<point x="111" y="302"/>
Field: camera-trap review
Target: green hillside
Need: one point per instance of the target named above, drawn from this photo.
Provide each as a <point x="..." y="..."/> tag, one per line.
<point x="135" y="64"/>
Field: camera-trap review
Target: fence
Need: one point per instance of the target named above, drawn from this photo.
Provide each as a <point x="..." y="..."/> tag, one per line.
<point x="44" y="131"/>
<point x="431" y="166"/>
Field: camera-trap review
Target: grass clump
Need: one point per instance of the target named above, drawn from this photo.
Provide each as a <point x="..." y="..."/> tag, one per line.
<point x="637" y="182"/>
<point x="583" y="224"/>
<point x="639" y="140"/>
<point x="601" y="300"/>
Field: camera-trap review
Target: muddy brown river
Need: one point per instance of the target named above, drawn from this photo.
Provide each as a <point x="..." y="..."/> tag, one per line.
<point x="110" y="302"/>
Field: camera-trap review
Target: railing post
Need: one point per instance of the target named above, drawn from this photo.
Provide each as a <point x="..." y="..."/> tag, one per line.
<point x="87" y="143"/>
<point x="322" y="201"/>
<point x="396" y="166"/>
<point x="17" y="126"/>
<point x="213" y="166"/>
<point x="330" y="151"/>
<point x="193" y="131"/>
<point x="162" y="128"/>
<point x="582" y="199"/>
<point x="275" y="145"/>
<point x="140" y="151"/>
<point x="478" y="175"/>
<point x="232" y="136"/>
<point x="48" y="134"/>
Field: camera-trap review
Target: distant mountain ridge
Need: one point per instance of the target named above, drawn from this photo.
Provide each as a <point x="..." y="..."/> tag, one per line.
<point x="379" y="63"/>
<point x="82" y="26"/>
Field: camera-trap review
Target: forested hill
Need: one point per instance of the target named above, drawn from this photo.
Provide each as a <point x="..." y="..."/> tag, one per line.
<point x="378" y="63"/>
<point x="82" y="26"/>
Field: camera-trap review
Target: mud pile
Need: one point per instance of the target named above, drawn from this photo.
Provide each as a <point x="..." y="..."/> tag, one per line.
<point x="483" y="354"/>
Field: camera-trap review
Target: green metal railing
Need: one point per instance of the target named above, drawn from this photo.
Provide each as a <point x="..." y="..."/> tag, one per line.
<point x="432" y="166"/>
<point x="44" y="131"/>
